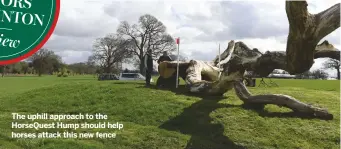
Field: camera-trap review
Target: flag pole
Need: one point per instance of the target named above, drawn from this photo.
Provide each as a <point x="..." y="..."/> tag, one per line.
<point x="219" y="63"/>
<point x="177" y="67"/>
<point x="219" y="55"/>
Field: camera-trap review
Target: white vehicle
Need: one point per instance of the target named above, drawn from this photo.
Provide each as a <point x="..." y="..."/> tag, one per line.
<point x="133" y="76"/>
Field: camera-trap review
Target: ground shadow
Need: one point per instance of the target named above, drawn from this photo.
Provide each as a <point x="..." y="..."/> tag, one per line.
<point x="264" y="113"/>
<point x="196" y="122"/>
<point x="182" y="90"/>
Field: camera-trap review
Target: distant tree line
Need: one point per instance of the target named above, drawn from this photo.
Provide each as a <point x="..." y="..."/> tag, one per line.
<point x="320" y="73"/>
<point x="316" y="74"/>
<point x="47" y="62"/>
<point x="333" y="64"/>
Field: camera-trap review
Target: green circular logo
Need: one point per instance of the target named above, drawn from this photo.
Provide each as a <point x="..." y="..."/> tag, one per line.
<point x="25" y="26"/>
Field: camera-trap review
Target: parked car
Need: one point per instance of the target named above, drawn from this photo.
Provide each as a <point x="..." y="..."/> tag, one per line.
<point x="133" y="76"/>
<point x="107" y="76"/>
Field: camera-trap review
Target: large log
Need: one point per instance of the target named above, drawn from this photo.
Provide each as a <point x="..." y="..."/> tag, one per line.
<point x="305" y="32"/>
<point x="201" y="78"/>
<point x="326" y="50"/>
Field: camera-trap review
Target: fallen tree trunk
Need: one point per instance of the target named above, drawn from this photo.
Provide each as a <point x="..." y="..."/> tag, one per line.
<point x="328" y="54"/>
<point x="202" y="77"/>
<point x="305" y="32"/>
<point x="326" y="50"/>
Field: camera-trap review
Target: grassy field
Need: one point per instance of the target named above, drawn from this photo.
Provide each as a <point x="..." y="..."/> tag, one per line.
<point x="155" y="118"/>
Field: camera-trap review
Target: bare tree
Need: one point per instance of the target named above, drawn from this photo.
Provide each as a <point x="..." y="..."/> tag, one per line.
<point x="91" y="65"/>
<point x="148" y="34"/>
<point x="91" y="60"/>
<point x="319" y="74"/>
<point x="109" y="50"/>
<point x="44" y="60"/>
<point x="333" y="64"/>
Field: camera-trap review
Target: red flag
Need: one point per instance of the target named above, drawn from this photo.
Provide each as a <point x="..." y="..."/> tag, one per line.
<point x="177" y="40"/>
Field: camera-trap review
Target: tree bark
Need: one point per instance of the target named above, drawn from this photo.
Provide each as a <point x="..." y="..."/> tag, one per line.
<point x="338" y="73"/>
<point x="107" y="69"/>
<point x="142" y="69"/>
<point x="305" y="31"/>
<point x="3" y="70"/>
<point x="327" y="54"/>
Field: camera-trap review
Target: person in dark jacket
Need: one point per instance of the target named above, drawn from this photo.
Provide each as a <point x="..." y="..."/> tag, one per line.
<point x="148" y="63"/>
<point x="164" y="57"/>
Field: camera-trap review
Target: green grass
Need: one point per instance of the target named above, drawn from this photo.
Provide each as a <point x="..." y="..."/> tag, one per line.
<point x="326" y="85"/>
<point x="169" y="119"/>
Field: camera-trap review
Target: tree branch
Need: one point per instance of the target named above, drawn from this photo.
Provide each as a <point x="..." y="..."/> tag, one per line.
<point x="280" y="100"/>
<point x="326" y="50"/>
<point x="327" y="54"/>
<point x="328" y="21"/>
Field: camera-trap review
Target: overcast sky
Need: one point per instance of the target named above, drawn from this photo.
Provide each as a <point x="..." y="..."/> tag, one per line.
<point x="201" y="25"/>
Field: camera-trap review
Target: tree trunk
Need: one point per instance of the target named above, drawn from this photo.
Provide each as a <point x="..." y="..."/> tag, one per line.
<point x="3" y="70"/>
<point x="107" y="69"/>
<point x="141" y="66"/>
<point x="142" y="70"/>
<point x="338" y="73"/>
<point x="305" y="31"/>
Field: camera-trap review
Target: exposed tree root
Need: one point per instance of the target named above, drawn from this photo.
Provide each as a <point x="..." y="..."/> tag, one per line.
<point x="280" y="100"/>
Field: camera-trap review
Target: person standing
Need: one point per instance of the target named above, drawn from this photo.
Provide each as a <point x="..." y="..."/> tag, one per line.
<point x="148" y="63"/>
<point x="164" y="57"/>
